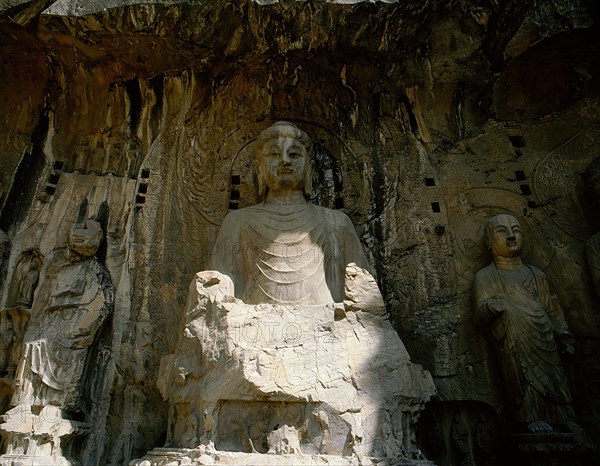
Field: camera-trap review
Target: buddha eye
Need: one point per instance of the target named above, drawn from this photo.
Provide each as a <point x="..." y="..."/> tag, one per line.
<point x="296" y="155"/>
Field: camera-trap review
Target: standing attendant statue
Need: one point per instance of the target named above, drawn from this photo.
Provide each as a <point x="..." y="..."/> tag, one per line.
<point x="59" y="338"/>
<point x="515" y="307"/>
<point x="50" y="383"/>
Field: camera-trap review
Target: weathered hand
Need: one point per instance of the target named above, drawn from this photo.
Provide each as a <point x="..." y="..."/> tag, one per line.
<point x="496" y="305"/>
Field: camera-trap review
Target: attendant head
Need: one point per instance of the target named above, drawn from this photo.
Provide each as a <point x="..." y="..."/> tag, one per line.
<point x="503" y="236"/>
<point x="284" y="160"/>
<point x="85" y="239"/>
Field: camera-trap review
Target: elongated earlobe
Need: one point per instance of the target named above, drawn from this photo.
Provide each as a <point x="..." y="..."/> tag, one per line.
<point x="261" y="186"/>
<point x="308" y="174"/>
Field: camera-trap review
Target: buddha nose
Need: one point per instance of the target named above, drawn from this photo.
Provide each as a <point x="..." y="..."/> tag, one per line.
<point x="511" y="238"/>
<point x="285" y="156"/>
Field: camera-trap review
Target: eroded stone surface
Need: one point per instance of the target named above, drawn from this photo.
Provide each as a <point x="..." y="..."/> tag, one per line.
<point x="344" y="385"/>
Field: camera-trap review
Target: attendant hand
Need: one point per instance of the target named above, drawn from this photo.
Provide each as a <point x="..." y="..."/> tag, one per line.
<point x="496" y="305"/>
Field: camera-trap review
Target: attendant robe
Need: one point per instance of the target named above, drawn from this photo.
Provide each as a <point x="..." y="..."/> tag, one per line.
<point x="524" y="338"/>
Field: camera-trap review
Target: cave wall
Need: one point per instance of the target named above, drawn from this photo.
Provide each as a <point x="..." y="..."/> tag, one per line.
<point x="433" y="115"/>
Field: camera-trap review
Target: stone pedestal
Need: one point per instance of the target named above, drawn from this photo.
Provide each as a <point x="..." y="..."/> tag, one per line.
<point x="308" y="384"/>
<point x="38" y="437"/>
<point x="553" y="449"/>
<point x="206" y="455"/>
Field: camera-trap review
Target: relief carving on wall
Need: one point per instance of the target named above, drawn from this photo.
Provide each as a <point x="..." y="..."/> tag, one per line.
<point x="56" y="351"/>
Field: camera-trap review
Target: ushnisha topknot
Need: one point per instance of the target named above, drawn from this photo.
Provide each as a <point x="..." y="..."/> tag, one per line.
<point x="284" y="128"/>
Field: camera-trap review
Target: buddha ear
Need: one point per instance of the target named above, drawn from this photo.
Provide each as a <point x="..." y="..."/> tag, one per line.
<point x="261" y="186"/>
<point x="308" y="175"/>
<point x="487" y="239"/>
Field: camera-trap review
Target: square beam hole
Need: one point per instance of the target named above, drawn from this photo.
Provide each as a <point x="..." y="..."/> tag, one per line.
<point x="517" y="141"/>
<point x="525" y="190"/>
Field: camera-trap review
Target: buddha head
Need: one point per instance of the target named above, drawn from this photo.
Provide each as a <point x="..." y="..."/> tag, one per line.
<point x="503" y="236"/>
<point x="85" y="239"/>
<point x="284" y="159"/>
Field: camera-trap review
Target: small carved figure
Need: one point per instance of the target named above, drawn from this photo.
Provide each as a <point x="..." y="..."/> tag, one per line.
<point x="286" y="250"/>
<point x="59" y="337"/>
<point x="27" y="275"/>
<point x="515" y="306"/>
<point x="591" y="177"/>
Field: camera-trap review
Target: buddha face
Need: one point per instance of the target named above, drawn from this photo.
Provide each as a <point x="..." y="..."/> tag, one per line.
<point x="283" y="162"/>
<point x="503" y="236"/>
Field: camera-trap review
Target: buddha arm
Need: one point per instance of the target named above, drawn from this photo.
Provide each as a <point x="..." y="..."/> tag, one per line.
<point x="226" y="257"/>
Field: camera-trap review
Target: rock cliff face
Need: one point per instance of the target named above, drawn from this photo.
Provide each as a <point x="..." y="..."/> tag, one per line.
<point x="428" y="117"/>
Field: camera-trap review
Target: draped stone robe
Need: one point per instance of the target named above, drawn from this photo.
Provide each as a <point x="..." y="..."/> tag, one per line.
<point x="287" y="254"/>
<point x="59" y="338"/>
<point x="524" y="338"/>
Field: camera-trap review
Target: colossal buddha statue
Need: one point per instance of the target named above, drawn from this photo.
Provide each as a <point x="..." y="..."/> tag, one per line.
<point x="286" y="347"/>
<point x="514" y="306"/>
<point x="286" y="250"/>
